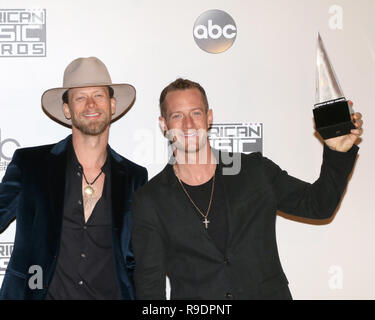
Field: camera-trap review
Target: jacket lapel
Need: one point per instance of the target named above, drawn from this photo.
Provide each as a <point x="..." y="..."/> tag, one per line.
<point x="119" y="191"/>
<point x="228" y="211"/>
<point x="229" y="184"/>
<point x="56" y="168"/>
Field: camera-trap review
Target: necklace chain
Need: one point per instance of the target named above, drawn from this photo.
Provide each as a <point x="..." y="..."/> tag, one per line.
<point x="89" y="190"/>
<point x="191" y="200"/>
<point x="97" y="177"/>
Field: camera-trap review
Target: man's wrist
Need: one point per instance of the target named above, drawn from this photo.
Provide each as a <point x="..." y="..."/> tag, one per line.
<point x="335" y="148"/>
<point x="353" y="149"/>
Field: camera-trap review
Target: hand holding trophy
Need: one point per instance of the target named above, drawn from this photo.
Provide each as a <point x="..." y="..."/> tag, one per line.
<point x="335" y="119"/>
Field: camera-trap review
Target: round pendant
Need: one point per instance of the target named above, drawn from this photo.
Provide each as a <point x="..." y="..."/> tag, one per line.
<point x="89" y="190"/>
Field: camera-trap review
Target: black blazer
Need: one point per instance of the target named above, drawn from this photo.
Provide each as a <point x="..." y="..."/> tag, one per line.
<point x="32" y="191"/>
<point x="168" y="239"/>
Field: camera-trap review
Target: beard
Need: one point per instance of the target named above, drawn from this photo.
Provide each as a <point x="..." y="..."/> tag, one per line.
<point x="92" y="128"/>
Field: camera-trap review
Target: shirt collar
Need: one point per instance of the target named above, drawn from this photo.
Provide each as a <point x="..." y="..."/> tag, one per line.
<point x="73" y="160"/>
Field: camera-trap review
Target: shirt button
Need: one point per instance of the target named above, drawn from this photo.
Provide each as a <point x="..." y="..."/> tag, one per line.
<point x="84" y="228"/>
<point x="78" y="174"/>
<point x="229" y="295"/>
<point x="79" y="202"/>
<point x="83" y="255"/>
<point x="80" y="283"/>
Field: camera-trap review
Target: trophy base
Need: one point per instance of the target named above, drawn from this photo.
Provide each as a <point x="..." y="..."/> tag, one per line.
<point x="332" y="118"/>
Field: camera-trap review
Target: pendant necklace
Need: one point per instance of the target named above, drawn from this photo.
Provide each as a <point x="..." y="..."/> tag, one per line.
<point x="205" y="221"/>
<point x="89" y="190"/>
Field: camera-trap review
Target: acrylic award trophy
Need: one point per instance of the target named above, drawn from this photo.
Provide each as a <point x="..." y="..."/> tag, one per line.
<point x="332" y="112"/>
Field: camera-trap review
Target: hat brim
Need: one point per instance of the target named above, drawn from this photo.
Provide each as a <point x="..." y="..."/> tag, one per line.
<point x="52" y="103"/>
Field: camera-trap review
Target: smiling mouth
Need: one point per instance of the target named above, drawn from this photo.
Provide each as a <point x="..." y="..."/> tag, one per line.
<point x="193" y="134"/>
<point x="92" y="115"/>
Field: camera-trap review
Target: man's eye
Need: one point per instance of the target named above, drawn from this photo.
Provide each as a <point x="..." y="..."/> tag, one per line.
<point x="81" y="98"/>
<point x="98" y="96"/>
<point x="176" y="116"/>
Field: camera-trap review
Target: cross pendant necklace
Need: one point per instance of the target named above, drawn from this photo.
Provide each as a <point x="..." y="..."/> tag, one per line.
<point x="206" y="222"/>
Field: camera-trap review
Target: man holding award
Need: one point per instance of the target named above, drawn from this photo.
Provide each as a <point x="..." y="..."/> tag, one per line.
<point x="212" y="233"/>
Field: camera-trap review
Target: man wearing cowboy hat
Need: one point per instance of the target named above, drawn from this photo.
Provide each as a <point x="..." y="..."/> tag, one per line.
<point x="72" y="199"/>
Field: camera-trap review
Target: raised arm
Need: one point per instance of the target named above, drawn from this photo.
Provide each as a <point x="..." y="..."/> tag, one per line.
<point x="320" y="199"/>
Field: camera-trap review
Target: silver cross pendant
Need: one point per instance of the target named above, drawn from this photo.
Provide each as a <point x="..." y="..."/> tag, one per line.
<point x="206" y="222"/>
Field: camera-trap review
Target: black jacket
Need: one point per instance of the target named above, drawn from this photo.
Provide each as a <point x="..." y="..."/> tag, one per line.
<point x="168" y="239"/>
<point x="32" y="191"/>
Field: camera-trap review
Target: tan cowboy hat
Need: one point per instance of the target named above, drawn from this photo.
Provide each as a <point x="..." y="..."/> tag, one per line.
<point x="86" y="72"/>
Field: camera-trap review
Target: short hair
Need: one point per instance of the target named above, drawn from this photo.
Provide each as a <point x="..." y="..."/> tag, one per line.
<point x="65" y="97"/>
<point x="180" y="84"/>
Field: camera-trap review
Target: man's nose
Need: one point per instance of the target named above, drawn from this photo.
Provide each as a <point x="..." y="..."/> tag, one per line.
<point x="188" y="122"/>
<point x="90" y="102"/>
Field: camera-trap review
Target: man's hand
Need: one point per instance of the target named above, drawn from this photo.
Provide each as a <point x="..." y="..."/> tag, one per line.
<point x="344" y="143"/>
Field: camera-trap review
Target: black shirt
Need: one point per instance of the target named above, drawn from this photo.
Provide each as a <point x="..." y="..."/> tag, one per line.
<point x="85" y="267"/>
<point x="218" y="226"/>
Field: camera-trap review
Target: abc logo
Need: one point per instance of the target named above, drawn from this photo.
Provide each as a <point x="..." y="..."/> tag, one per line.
<point x="214" y="31"/>
<point x="4" y="144"/>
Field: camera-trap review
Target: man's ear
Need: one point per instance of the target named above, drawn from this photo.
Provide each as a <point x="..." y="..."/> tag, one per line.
<point x="163" y="125"/>
<point x="210" y="118"/>
<point x="113" y="106"/>
<point x="66" y="111"/>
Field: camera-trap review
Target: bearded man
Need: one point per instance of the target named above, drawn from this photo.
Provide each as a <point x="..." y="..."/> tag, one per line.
<point x="71" y="200"/>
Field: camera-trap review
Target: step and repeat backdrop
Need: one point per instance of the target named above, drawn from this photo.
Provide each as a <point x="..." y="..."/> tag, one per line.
<point x="256" y="60"/>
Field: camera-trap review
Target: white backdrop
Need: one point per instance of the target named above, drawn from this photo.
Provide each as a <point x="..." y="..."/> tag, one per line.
<point x="267" y="76"/>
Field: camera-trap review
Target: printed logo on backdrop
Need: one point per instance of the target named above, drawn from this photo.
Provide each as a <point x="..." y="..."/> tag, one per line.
<point x="7" y="148"/>
<point x="6" y="249"/>
<point x="22" y="32"/>
<point x="237" y="137"/>
<point x="215" y="31"/>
